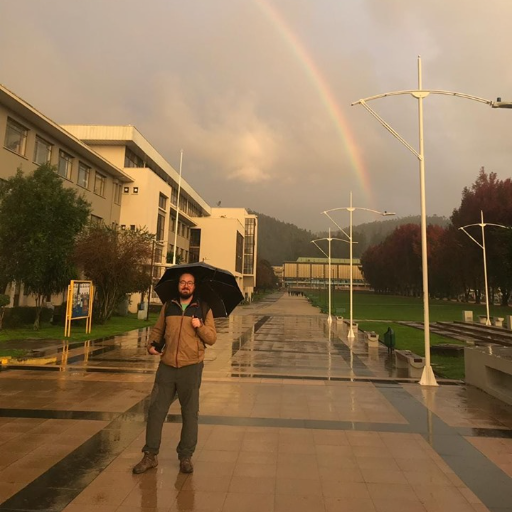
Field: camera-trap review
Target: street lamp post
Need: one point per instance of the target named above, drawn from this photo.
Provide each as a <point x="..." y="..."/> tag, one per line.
<point x="177" y="213"/>
<point x="427" y="378"/>
<point x="351" y="209"/>
<point x="329" y="239"/>
<point x="482" y="224"/>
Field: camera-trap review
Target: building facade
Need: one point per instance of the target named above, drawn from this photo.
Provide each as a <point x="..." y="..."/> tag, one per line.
<point x="314" y="273"/>
<point x="30" y="139"/>
<point x="222" y="237"/>
<point x="130" y="184"/>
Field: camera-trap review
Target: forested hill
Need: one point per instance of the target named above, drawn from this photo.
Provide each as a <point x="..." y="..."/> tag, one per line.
<point x="281" y="241"/>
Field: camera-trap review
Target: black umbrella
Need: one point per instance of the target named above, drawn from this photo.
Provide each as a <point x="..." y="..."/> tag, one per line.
<point x="217" y="287"/>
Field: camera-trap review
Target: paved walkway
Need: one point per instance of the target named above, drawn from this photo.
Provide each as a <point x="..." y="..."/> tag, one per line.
<point x="293" y="418"/>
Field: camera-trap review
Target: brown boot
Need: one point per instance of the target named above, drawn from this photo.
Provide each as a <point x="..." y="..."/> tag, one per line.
<point x="148" y="461"/>
<point x="186" y="466"/>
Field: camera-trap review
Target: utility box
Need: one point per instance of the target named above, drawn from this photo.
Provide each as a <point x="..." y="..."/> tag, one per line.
<point x="467" y="316"/>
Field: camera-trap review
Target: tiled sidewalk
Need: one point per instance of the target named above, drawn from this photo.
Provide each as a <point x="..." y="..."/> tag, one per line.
<point x="291" y="420"/>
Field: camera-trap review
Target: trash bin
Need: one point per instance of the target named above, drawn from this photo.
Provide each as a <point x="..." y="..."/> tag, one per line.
<point x="142" y="312"/>
<point x="390" y="339"/>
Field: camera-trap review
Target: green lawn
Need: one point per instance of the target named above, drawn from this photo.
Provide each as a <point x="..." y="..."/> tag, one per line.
<point x="409" y="338"/>
<point x="370" y="306"/>
<point x="116" y="325"/>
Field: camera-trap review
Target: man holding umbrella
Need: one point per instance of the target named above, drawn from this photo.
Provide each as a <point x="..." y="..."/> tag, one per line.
<point x="184" y="328"/>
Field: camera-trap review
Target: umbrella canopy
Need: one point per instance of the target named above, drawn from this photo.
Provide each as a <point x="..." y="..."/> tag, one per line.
<point x="215" y="286"/>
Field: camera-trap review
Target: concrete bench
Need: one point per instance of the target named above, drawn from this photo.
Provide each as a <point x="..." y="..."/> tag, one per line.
<point x="490" y="369"/>
<point x="413" y="362"/>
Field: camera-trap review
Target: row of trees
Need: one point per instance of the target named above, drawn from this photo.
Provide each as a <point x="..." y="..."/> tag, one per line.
<point x="455" y="261"/>
<point x="47" y="239"/>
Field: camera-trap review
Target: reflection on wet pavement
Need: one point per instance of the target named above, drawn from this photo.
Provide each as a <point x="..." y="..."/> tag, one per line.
<point x="293" y="417"/>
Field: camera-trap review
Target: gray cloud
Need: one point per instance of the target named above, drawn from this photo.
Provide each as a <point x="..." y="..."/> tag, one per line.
<point x="224" y="82"/>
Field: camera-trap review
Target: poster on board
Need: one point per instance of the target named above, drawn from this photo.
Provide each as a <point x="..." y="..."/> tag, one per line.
<point x="81" y="299"/>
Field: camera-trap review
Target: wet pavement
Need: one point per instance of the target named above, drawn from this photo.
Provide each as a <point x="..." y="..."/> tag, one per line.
<point x="293" y="418"/>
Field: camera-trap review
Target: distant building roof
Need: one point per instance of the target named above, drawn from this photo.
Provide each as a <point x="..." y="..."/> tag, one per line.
<point x="339" y="261"/>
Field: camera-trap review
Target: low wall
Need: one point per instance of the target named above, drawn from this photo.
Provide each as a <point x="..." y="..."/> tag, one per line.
<point x="490" y="369"/>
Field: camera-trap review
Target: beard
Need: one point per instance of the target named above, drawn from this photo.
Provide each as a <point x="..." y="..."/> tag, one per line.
<point x="185" y="295"/>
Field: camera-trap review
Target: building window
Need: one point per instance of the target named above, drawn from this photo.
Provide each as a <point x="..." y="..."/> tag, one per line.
<point x="83" y="175"/>
<point x="65" y="165"/>
<point x="239" y="252"/>
<point x="99" y="184"/>
<point x="42" y="151"/>
<point x="250" y="242"/>
<point x="96" y="220"/>
<point x="16" y="137"/>
<point x="174" y="196"/>
<point x="160" y="227"/>
<point x="162" y="202"/>
<point x="183" y="203"/>
<point x="117" y="192"/>
<point x="195" y="245"/>
<point x="132" y="160"/>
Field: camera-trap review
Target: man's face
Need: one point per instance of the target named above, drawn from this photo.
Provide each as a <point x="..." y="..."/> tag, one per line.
<point x="186" y="286"/>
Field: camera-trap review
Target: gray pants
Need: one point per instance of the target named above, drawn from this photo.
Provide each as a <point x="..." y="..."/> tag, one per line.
<point x="171" y="382"/>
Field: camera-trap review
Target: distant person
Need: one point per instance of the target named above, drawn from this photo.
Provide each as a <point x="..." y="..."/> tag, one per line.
<point x="183" y="329"/>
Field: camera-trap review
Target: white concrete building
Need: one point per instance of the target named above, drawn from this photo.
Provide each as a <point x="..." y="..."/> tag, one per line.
<point x="29" y="139"/>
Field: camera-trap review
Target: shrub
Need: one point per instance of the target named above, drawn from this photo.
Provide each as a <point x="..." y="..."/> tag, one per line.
<point x="20" y="316"/>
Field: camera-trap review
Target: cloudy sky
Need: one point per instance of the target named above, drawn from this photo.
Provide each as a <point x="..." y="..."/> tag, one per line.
<point x="258" y="92"/>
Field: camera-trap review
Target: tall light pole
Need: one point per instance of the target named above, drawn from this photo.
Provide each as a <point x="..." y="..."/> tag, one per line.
<point x="482" y="224"/>
<point x="329" y="239"/>
<point x="351" y="209"/>
<point x="427" y="378"/>
<point x="177" y="213"/>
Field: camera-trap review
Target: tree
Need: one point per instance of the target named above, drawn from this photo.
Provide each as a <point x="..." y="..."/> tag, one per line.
<point x="265" y="277"/>
<point x="494" y="197"/>
<point x="117" y="262"/>
<point x="39" y="222"/>
<point x="170" y="256"/>
<point x="4" y="301"/>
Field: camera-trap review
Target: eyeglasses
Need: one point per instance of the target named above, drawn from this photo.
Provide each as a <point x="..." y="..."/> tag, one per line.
<point x="188" y="283"/>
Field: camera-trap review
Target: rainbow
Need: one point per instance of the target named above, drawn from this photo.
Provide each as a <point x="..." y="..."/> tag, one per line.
<point x="324" y="91"/>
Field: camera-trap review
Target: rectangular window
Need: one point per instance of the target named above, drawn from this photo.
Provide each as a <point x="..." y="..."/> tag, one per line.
<point x="132" y="160"/>
<point x="195" y="243"/>
<point x="183" y="203"/>
<point x="174" y="196"/>
<point x="65" y="165"/>
<point x="83" y="175"/>
<point x="239" y="252"/>
<point x="160" y="227"/>
<point x="42" y="151"/>
<point x="162" y="202"/>
<point x="117" y="192"/>
<point x="250" y="242"/>
<point x="15" y="137"/>
<point x="96" y="220"/>
<point x="99" y="184"/>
